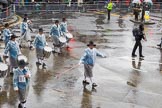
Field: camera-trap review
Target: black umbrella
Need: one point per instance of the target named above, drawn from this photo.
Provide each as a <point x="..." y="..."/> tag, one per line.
<point x="4" y="1"/>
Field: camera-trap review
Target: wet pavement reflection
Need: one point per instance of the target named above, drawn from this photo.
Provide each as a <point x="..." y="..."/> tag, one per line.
<point x="122" y="82"/>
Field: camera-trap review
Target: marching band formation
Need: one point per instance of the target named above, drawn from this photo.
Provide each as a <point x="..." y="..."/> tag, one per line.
<point x="14" y="59"/>
<point x="15" y="62"/>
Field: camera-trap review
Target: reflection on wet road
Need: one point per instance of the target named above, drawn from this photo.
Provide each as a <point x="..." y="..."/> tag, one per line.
<point x="122" y="82"/>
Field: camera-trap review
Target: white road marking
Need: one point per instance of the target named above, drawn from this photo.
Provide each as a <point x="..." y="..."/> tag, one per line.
<point x="143" y="61"/>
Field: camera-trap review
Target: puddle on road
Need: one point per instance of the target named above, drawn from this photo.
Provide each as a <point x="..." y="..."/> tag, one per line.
<point x="87" y="38"/>
<point x="100" y="19"/>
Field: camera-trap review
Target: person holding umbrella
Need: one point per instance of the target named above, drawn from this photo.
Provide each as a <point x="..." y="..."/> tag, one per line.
<point x="136" y="8"/>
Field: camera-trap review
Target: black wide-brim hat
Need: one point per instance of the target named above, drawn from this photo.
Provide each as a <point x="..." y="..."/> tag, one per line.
<point x="13" y="37"/>
<point x="91" y="43"/>
<point x="22" y="63"/>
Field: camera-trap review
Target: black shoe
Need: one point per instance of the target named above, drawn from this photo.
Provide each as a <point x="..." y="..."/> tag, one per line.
<point x="38" y="63"/>
<point x="30" y="47"/>
<point x="11" y="73"/>
<point x="93" y="89"/>
<point x="85" y="82"/>
<point x="131" y="84"/>
<point x="134" y="55"/>
<point x="94" y="85"/>
<point x="20" y="106"/>
<point x="53" y="51"/>
<point x="159" y="45"/>
<point x="44" y="66"/>
<point x="141" y="56"/>
<point x="20" y="46"/>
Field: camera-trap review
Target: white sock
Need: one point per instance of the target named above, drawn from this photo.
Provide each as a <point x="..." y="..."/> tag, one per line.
<point x="91" y="80"/>
<point x="29" y="43"/>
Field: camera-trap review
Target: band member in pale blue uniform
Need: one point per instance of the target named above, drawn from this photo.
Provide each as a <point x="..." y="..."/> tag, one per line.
<point x="14" y="50"/>
<point x="40" y="43"/>
<point x="21" y="81"/>
<point x="55" y="33"/>
<point x="25" y="33"/>
<point x="88" y="59"/>
<point x="6" y="34"/>
<point x="64" y="29"/>
<point x="63" y="25"/>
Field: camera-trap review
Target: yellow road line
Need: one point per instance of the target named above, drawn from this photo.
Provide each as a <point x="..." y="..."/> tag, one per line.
<point x="113" y="14"/>
<point x="11" y="24"/>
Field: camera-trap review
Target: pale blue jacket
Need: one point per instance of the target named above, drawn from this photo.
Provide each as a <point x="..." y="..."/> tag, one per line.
<point x="40" y="41"/>
<point x="55" y="31"/>
<point x="17" y="73"/>
<point x="13" y="49"/>
<point x="89" y="56"/>
<point x="23" y="27"/>
<point x="6" y="35"/>
<point x="63" y="26"/>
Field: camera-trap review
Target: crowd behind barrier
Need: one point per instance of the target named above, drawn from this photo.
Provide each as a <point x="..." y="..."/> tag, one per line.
<point x="31" y="7"/>
<point x="6" y="13"/>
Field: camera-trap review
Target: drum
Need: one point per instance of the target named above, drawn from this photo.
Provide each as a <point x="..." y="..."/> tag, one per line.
<point x="3" y="70"/>
<point x="22" y="57"/>
<point x="62" y="39"/>
<point x="47" y="51"/>
<point x="68" y="35"/>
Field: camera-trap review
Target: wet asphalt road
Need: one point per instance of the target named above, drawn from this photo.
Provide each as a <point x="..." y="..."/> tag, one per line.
<point x="122" y="82"/>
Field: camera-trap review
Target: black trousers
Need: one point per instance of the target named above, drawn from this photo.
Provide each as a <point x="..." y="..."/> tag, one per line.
<point x="108" y="14"/>
<point x="143" y="14"/>
<point x="136" y="17"/>
<point x="137" y="44"/>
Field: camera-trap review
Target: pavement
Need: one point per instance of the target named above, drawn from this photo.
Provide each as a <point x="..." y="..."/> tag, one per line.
<point x="13" y="21"/>
<point x="122" y="82"/>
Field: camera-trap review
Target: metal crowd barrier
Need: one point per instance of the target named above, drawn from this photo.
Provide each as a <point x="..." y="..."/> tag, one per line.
<point x="55" y="7"/>
<point x="6" y="13"/>
<point x="64" y="7"/>
<point x="30" y="7"/>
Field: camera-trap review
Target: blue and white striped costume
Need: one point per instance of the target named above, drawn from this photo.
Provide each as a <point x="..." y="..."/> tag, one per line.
<point x="88" y="59"/>
<point x="21" y="83"/>
<point x="63" y="27"/>
<point x="40" y="43"/>
<point x="6" y="35"/>
<point x="14" y="50"/>
<point x="25" y="32"/>
<point x="55" y="32"/>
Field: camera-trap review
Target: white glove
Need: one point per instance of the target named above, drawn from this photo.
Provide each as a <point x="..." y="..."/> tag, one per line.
<point x="5" y="54"/>
<point x="46" y="44"/>
<point x="16" y="88"/>
<point x="20" y="53"/>
<point x="80" y="63"/>
<point x="104" y="56"/>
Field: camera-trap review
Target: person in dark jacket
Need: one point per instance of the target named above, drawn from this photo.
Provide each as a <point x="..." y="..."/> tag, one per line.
<point x="138" y="38"/>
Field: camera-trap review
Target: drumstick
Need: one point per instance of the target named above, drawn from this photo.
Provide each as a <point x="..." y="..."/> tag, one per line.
<point x="66" y="70"/>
